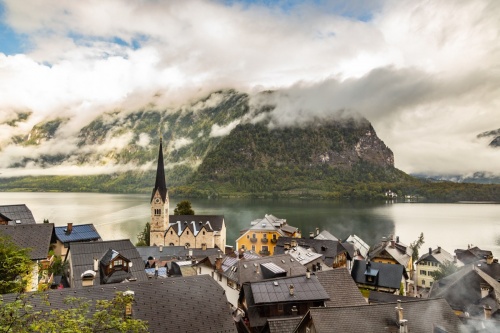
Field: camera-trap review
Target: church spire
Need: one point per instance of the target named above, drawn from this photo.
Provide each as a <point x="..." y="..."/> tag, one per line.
<point x="160" y="184"/>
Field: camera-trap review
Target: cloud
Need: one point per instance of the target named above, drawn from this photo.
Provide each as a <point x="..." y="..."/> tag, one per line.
<point x="223" y="130"/>
<point x="424" y="73"/>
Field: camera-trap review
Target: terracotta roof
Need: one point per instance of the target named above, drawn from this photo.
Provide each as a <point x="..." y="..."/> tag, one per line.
<point x="37" y="237"/>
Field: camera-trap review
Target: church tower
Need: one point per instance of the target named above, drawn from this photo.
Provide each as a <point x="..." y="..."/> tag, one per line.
<point x="159" y="205"/>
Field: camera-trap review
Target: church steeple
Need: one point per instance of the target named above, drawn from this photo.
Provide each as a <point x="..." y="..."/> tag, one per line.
<point x="160" y="184"/>
<point x="159" y="204"/>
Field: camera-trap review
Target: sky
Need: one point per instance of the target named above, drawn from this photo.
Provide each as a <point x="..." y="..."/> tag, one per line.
<point x="426" y="74"/>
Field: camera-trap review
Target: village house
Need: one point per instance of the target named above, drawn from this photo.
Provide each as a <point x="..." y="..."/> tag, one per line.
<point x="197" y="231"/>
<point x="416" y="316"/>
<point x="37" y="238"/>
<point x="379" y="276"/>
<point x="391" y="251"/>
<point x="16" y="215"/>
<point x="280" y="297"/>
<point x="264" y="234"/>
<point x="70" y="233"/>
<point x="106" y="262"/>
<point x="361" y="248"/>
<point x="341" y="288"/>
<point x="472" y="254"/>
<point x="431" y="262"/>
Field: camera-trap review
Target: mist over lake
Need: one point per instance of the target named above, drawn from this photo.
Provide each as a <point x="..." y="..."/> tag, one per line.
<point x="118" y="216"/>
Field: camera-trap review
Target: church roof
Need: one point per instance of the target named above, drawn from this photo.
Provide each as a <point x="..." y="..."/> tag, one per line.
<point x="160" y="184"/>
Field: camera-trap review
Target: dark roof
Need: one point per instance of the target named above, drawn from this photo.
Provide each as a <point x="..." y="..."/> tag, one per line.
<point x="471" y="254"/>
<point x="34" y="236"/>
<point x="190" y="304"/>
<point x="329" y="249"/>
<point x="341" y="288"/>
<point x="423" y="316"/>
<point x="249" y="270"/>
<point x="160" y="184"/>
<point x="277" y="290"/>
<point x="82" y="258"/>
<point x="17" y="214"/>
<point x="387" y="275"/>
<point x="175" y="252"/>
<point x="437" y="255"/>
<point x="282" y="325"/>
<point x="210" y="222"/>
<point x="79" y="233"/>
<point x="380" y="297"/>
<point x="391" y="249"/>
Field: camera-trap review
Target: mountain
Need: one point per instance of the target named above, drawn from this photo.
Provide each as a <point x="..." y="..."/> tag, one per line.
<point x="493" y="135"/>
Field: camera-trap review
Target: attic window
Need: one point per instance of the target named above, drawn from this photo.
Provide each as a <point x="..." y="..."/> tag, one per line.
<point x="118" y="262"/>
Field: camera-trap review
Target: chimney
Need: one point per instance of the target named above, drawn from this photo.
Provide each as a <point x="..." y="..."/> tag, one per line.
<point x="487" y="312"/>
<point x="287" y="246"/>
<point x="190" y="253"/>
<point x="291" y="290"/>
<point x="439" y="249"/>
<point x="311" y="234"/>
<point x="218" y="263"/>
<point x="455" y="259"/>
<point x="485" y="290"/>
<point x="393" y="243"/>
<point x="96" y="264"/>
<point x="317" y="231"/>
<point x="397" y="239"/>
<point x="295" y="312"/>
<point x="308" y="274"/>
<point x="430" y="250"/>
<point x="193" y="261"/>
<point x="403" y="323"/>
<point x="69" y="228"/>
<point x="160" y="248"/>
<point x="489" y="259"/>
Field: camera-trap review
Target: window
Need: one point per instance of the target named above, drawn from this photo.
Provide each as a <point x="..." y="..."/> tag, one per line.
<point x="274" y="236"/>
<point x="422" y="272"/>
<point x="264" y="236"/>
<point x="199" y="270"/>
<point x="187" y="245"/>
<point x="431" y="283"/>
<point x="254" y="236"/>
<point x="253" y="247"/>
<point x="248" y="236"/>
<point x="243" y="246"/>
<point x="187" y="232"/>
<point x="171" y="232"/>
<point x="423" y="282"/>
<point x="203" y="232"/>
<point x="265" y="248"/>
<point x="118" y="262"/>
<point x="157" y="212"/>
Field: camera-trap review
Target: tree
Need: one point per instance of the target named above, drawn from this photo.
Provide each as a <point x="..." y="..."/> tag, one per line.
<point x="445" y="269"/>
<point x="15" y="267"/>
<point x="76" y="315"/>
<point x="143" y="236"/>
<point x="184" y="208"/>
<point x="415" y="246"/>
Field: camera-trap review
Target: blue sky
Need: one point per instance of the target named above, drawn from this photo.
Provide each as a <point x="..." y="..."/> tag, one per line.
<point x="424" y="73"/>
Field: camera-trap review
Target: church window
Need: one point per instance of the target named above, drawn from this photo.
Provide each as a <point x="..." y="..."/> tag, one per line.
<point x="171" y="232"/>
<point x="171" y="244"/>
<point x="187" y="232"/>
<point x="157" y="212"/>
<point x="187" y="245"/>
<point x="203" y="232"/>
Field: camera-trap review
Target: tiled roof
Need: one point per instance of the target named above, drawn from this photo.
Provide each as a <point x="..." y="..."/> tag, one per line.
<point x="82" y="258"/>
<point x="389" y="275"/>
<point x="245" y="270"/>
<point x="329" y="249"/>
<point x="381" y="297"/>
<point x="359" y="244"/>
<point x="277" y="290"/>
<point x="188" y="304"/>
<point x="399" y="252"/>
<point x="170" y="252"/>
<point x="283" y="325"/>
<point x="79" y="233"/>
<point x="303" y="255"/>
<point x="210" y="222"/>
<point x="341" y="288"/>
<point x="423" y="316"/>
<point x="471" y="254"/>
<point x="326" y="235"/>
<point x="18" y="214"/>
<point x="438" y="255"/>
<point x="34" y="236"/>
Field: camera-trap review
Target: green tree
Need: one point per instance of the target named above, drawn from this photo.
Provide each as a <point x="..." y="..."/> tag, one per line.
<point x="77" y="315"/>
<point x="143" y="236"/>
<point x="184" y="208"/>
<point x="415" y="246"/>
<point x="58" y="267"/>
<point x="445" y="269"/>
<point x="15" y="267"/>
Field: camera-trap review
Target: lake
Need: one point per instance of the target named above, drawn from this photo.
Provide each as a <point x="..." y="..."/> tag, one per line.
<point x="118" y="216"/>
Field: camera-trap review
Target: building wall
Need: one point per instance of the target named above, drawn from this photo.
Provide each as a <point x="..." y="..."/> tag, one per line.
<point x="253" y="240"/>
<point x="424" y="280"/>
<point x="231" y="292"/>
<point x="159" y="219"/>
<point x="187" y="237"/>
<point x="207" y="238"/>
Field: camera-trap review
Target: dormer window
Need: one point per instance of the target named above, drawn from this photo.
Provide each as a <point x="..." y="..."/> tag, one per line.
<point x="115" y="268"/>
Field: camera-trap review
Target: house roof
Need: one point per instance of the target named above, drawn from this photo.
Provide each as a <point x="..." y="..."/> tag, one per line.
<point x="171" y="252"/>
<point x="391" y="249"/>
<point x="37" y="237"/>
<point x="359" y="244"/>
<point x="82" y="258"/>
<point x="381" y="297"/>
<point x="341" y="288"/>
<point x="329" y="249"/>
<point x="472" y="254"/>
<point x="195" y="222"/>
<point x="187" y="304"/>
<point x="423" y="316"/>
<point x="438" y="255"/>
<point x="282" y="325"/>
<point x="17" y="214"/>
<point x="326" y="235"/>
<point x="388" y="275"/>
<point x="277" y="290"/>
<point x="248" y="270"/>
<point x="79" y="233"/>
<point x="304" y="255"/>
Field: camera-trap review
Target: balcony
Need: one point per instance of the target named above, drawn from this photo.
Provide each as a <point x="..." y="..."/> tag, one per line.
<point x="264" y="253"/>
<point x="274" y="240"/>
<point x="264" y="240"/>
<point x="253" y="240"/>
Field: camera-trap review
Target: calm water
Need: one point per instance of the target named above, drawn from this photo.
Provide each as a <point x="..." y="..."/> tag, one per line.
<point x="118" y="216"/>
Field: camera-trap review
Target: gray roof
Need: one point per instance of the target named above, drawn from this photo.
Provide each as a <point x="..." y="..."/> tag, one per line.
<point x="83" y="254"/>
<point x="385" y="249"/>
<point x="329" y="249"/>
<point x="187" y="304"/>
<point x="17" y="214"/>
<point x="79" y="233"/>
<point x="171" y="252"/>
<point x="423" y="316"/>
<point x="471" y="254"/>
<point x="326" y="235"/>
<point x="210" y="222"/>
<point x="282" y="325"/>
<point x="386" y="275"/>
<point x="381" y="297"/>
<point x="359" y="244"/>
<point x="341" y="288"/>
<point x="245" y="270"/>
<point x="277" y="290"/>
<point x="438" y="255"/>
<point x="37" y="237"/>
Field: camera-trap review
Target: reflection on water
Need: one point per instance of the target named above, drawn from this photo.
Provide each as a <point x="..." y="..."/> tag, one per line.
<point x="119" y="216"/>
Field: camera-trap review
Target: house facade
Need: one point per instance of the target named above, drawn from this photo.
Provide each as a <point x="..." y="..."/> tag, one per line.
<point x="196" y="231"/>
<point x="391" y="251"/>
<point x="429" y="263"/>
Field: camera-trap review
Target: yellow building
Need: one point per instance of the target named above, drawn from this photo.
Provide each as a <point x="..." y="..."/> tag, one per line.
<point x="264" y="233"/>
<point x="431" y="262"/>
